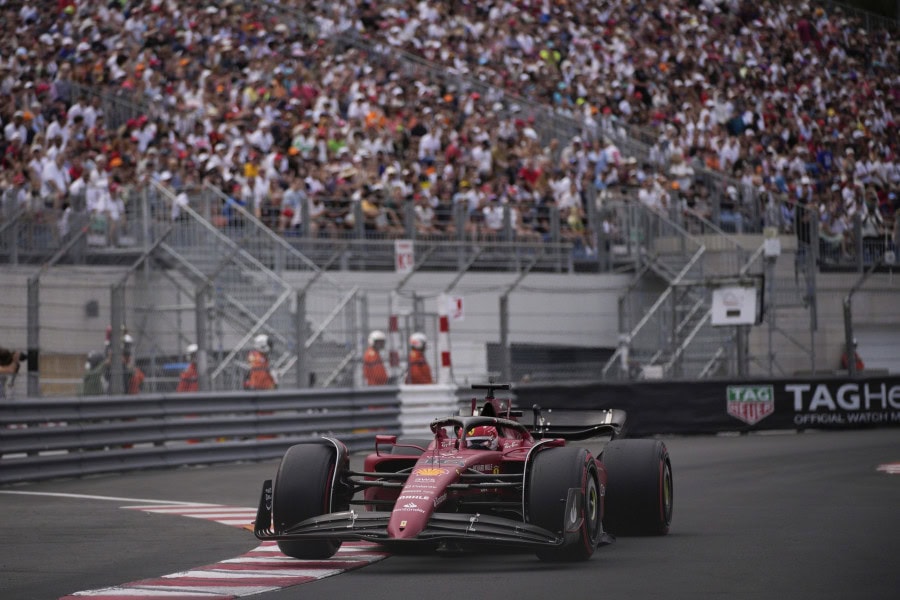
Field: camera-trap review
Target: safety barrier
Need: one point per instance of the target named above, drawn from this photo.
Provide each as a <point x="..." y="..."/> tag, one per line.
<point x="420" y="404"/>
<point x="44" y="439"/>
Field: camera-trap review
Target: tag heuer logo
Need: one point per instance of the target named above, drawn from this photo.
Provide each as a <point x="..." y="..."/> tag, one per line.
<point x="751" y="403"/>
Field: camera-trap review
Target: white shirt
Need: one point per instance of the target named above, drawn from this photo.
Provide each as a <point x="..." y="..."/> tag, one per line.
<point x="493" y="216"/>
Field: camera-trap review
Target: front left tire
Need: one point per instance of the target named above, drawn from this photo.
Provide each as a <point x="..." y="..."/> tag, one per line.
<point x="554" y="474"/>
<point x="303" y="489"/>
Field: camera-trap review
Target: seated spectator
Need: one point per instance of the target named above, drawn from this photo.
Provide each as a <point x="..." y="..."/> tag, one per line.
<point x="379" y="219"/>
<point x="425" y="216"/>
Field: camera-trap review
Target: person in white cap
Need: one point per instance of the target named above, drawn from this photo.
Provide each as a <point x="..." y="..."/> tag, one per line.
<point x="259" y="377"/>
<point x="373" y="365"/>
<point x="418" y="371"/>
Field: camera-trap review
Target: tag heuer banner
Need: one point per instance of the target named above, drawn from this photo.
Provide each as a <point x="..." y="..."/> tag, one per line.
<point x="709" y="407"/>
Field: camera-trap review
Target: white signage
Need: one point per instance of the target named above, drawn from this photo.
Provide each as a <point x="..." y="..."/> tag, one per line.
<point x="454" y="307"/>
<point x="734" y="305"/>
<point x="404" y="256"/>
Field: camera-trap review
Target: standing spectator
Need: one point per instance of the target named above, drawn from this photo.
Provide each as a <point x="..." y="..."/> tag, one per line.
<point x="492" y="218"/>
<point x="418" y="371"/>
<point x="9" y="361"/>
<point x="92" y="383"/>
<point x="373" y="365"/>
<point x="54" y="182"/>
<point x="189" y="380"/>
<point x="9" y="368"/>
<point x="99" y="201"/>
<point x="260" y="377"/>
<point x="292" y="205"/>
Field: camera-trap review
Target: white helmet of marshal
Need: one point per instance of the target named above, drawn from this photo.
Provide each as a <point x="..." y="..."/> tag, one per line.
<point x="376" y="336"/>
<point x="418" y="340"/>
<point x="261" y="342"/>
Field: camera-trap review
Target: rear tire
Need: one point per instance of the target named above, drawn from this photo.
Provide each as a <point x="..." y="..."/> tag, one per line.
<point x="303" y="490"/>
<point x="639" y="487"/>
<point x="553" y="473"/>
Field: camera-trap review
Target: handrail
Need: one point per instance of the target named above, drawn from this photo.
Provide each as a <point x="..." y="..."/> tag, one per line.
<point x="271" y="235"/>
<point x="261" y="321"/>
<point x="318" y="331"/>
<point x="693" y="334"/>
<point x="687" y="341"/>
<point x="653" y="309"/>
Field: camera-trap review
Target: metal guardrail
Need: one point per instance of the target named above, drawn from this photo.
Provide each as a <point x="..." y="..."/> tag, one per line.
<point x="73" y="437"/>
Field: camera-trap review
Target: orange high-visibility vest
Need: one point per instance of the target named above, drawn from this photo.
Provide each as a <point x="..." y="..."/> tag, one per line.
<point x="419" y="371"/>
<point x="189" y="380"/>
<point x="259" y="378"/>
<point x="373" y="367"/>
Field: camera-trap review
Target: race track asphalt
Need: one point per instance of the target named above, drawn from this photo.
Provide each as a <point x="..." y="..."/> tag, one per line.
<point x="758" y="516"/>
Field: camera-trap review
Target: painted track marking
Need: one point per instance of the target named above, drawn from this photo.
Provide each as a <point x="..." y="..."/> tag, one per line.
<point x="890" y="468"/>
<point x="263" y="569"/>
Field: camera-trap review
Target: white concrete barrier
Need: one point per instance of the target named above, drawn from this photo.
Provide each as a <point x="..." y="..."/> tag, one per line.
<point x="421" y="404"/>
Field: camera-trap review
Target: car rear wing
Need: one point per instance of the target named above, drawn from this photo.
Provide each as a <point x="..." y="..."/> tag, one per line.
<point x="577" y="424"/>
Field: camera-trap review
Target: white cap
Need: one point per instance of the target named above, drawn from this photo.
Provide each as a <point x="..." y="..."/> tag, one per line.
<point x="418" y="340"/>
<point x="261" y="342"/>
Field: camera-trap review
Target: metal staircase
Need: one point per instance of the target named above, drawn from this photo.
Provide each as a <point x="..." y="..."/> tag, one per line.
<point x="236" y="266"/>
<point x="672" y="336"/>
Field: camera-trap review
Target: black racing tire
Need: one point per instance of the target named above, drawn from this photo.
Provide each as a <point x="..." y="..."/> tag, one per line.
<point x="401" y="451"/>
<point x="553" y="473"/>
<point x="640" y="490"/>
<point x="302" y="490"/>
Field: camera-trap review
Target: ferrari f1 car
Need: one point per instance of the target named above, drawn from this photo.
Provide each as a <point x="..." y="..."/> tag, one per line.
<point x="483" y="479"/>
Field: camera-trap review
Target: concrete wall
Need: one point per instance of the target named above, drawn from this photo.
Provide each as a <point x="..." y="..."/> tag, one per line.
<point x="566" y="309"/>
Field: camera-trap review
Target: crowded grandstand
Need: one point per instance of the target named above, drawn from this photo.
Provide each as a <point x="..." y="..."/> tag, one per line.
<point x="743" y="114"/>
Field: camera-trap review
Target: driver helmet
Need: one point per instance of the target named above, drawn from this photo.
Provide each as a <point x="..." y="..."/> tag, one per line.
<point x="261" y="343"/>
<point x="417" y="340"/>
<point x="483" y="437"/>
<point x="376" y="336"/>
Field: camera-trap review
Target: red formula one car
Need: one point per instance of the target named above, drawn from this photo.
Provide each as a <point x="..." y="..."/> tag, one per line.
<point x="484" y="479"/>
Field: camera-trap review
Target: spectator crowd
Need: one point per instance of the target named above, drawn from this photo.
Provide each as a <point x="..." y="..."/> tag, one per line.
<point x="274" y="105"/>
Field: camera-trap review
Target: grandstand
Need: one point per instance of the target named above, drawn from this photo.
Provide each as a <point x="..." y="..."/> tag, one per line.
<point x="248" y="146"/>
